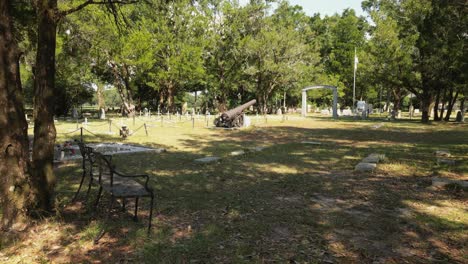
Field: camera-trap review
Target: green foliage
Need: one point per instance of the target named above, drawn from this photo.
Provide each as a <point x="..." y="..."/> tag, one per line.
<point x="235" y="53"/>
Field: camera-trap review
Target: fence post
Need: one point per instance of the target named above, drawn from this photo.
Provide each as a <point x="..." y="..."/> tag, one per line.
<point x="146" y="130"/>
<point x="81" y="134"/>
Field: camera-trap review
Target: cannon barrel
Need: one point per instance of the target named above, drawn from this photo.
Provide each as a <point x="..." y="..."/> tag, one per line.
<point x="233" y="117"/>
<point x="233" y="113"/>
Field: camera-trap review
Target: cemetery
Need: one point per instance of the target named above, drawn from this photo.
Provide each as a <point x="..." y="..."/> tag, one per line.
<point x="233" y="131"/>
<point x="327" y="188"/>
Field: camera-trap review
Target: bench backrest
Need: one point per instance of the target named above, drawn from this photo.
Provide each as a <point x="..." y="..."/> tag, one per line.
<point x="106" y="169"/>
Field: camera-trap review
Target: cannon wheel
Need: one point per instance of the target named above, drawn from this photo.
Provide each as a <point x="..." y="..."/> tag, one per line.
<point x="238" y="121"/>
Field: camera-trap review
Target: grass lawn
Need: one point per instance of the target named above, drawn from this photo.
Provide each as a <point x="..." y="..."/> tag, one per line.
<point x="289" y="203"/>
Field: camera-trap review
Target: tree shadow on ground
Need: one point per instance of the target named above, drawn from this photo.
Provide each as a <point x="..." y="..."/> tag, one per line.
<point x="291" y="202"/>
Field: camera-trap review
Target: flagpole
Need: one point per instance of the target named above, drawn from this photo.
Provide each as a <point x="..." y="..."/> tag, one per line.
<point x="354" y="81"/>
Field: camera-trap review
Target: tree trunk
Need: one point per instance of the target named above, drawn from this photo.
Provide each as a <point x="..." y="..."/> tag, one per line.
<point x="462" y="109"/>
<point x="128" y="108"/>
<point x="14" y="149"/>
<point x="451" y="102"/>
<point x="443" y="103"/>
<point x="100" y="97"/>
<point x="170" y="96"/>
<point x="427" y="98"/>
<point x="44" y="101"/>
<point x="436" y="109"/>
<point x="396" y="102"/>
<point x="388" y="100"/>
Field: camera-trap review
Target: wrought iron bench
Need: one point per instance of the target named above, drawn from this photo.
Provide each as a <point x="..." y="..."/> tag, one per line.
<point x="120" y="185"/>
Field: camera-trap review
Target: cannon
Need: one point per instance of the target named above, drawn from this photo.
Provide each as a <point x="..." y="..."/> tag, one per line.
<point x="233" y="117"/>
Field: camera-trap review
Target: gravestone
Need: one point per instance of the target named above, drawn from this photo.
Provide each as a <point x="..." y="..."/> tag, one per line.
<point x="311" y="142"/>
<point x="365" y="167"/>
<point x="256" y="149"/>
<point x="207" y="160"/>
<point x="102" y="114"/>
<point x="371" y="159"/>
<point x="445" y="161"/>
<point x="442" y="153"/>
<point x="237" y="153"/>
<point x="441" y="182"/>
<point x="74" y="113"/>
<point x="347" y="112"/>
<point x="459" y="117"/>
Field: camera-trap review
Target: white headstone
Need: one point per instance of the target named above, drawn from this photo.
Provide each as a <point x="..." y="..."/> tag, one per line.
<point x="247" y="121"/>
<point x="207" y="160"/>
<point x="365" y="167"/>
<point x="102" y="114"/>
<point x="74" y="113"/>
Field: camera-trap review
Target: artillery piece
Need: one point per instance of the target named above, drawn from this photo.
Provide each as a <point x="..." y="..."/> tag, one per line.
<point x="233" y="117"/>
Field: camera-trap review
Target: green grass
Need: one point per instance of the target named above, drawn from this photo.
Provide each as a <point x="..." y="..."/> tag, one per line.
<point x="291" y="202"/>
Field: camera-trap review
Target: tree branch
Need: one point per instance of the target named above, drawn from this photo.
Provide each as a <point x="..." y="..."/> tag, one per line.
<point x="94" y="2"/>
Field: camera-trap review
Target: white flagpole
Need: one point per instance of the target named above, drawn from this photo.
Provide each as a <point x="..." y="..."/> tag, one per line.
<point x="354" y="82"/>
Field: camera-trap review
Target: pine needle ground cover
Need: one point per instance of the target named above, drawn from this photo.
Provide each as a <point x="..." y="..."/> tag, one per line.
<point x="290" y="202"/>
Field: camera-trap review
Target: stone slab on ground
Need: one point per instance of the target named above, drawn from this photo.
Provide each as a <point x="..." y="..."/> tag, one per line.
<point x="311" y="142"/>
<point x="160" y="150"/>
<point x="377" y="126"/>
<point x="206" y="160"/>
<point x="237" y="153"/>
<point x="364" y="167"/>
<point x="381" y="157"/>
<point x="445" y="161"/>
<point x="441" y="182"/>
<point x="256" y="149"/>
<point x="442" y="153"/>
<point x="371" y="160"/>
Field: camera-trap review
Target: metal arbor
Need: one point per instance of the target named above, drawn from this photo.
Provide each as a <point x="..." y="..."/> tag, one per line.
<point x="335" y="98"/>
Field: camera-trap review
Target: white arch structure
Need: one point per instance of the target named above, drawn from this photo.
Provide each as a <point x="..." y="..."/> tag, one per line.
<point x="335" y="98"/>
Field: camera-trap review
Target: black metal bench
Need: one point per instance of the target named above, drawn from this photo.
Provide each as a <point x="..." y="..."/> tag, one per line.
<point x="120" y="185"/>
<point x="100" y="170"/>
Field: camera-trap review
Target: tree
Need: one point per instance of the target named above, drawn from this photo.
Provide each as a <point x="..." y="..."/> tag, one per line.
<point x="27" y="187"/>
<point x="434" y="35"/>
<point x="14" y="154"/>
<point x="224" y="57"/>
<point x="276" y="51"/>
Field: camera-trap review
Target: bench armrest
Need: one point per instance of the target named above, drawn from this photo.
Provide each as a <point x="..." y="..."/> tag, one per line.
<point x="145" y="176"/>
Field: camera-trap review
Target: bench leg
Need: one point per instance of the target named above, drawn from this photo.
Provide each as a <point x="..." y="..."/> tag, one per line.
<point x="90" y="182"/>
<point x="103" y="231"/>
<point x="98" y="196"/>
<point x="151" y="214"/>
<point x="135" y="217"/>
<point x="81" y="184"/>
